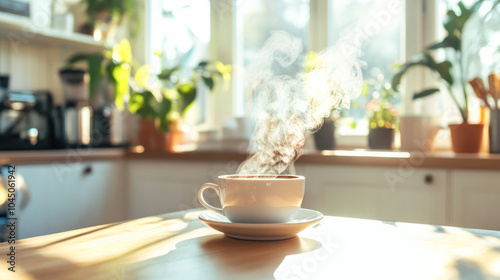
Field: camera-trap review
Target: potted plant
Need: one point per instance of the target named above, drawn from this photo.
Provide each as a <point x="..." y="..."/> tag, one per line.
<point x="162" y="100"/>
<point x="465" y="137"/>
<point x="105" y="15"/>
<point x="324" y="136"/>
<point x="383" y="118"/>
<point x="108" y="72"/>
<point x="114" y="64"/>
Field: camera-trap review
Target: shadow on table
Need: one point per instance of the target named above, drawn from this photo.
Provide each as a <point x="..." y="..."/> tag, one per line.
<point x="262" y="258"/>
<point x="468" y="269"/>
<point x="219" y="257"/>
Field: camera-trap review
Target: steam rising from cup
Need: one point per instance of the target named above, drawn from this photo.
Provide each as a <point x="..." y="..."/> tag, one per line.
<point x="287" y="104"/>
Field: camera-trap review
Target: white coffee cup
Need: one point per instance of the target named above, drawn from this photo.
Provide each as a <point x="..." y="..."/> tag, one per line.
<point x="257" y="198"/>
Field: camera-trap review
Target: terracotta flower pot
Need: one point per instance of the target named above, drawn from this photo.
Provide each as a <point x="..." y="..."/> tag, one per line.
<point x="175" y="137"/>
<point x="466" y="137"/>
<point x="149" y="136"/>
<point x="153" y="140"/>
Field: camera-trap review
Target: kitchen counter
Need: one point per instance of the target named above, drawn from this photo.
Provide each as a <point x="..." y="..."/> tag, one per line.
<point x="348" y="158"/>
<point x="336" y="157"/>
<point x="60" y="155"/>
<point x="179" y="246"/>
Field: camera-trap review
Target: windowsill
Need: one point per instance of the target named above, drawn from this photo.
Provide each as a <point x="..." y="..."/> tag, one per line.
<point x="346" y="157"/>
<point x="356" y="157"/>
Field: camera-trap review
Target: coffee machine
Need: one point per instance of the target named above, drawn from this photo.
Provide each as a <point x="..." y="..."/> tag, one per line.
<point x="25" y="119"/>
<point x="74" y="117"/>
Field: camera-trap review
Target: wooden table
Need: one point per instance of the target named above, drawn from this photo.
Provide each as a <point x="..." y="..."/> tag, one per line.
<point x="179" y="246"/>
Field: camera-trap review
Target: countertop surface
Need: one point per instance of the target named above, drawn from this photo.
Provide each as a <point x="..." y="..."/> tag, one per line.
<point x="179" y="246"/>
<point x="336" y="157"/>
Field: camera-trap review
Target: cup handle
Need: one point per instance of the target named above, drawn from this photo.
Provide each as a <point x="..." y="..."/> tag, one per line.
<point x="202" y="200"/>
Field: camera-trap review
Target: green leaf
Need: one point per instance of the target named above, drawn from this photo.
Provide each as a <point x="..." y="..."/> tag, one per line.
<point x="123" y="50"/>
<point x="425" y="93"/>
<point x="77" y="58"/>
<point x="451" y="22"/>
<point x="454" y="24"/>
<point x="451" y="41"/>
<point x="444" y="70"/>
<point x="144" y="104"/>
<point x="135" y="103"/>
<point x="209" y="82"/>
<point x="365" y="89"/>
<point x="95" y="72"/>
<point x="142" y="75"/>
<point x="424" y="59"/>
<point x="202" y="64"/>
<point x="109" y="71"/>
<point x="121" y="73"/>
<point x="163" y="111"/>
<point x="187" y="93"/>
<point x="166" y="73"/>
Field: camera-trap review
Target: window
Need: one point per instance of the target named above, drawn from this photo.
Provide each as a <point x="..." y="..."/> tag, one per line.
<point x="179" y="35"/>
<point x="240" y="27"/>
<point x="174" y="32"/>
<point x="383" y="47"/>
<point x="254" y="21"/>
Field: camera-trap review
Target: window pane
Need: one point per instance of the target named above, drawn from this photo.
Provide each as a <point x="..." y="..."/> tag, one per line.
<point x="181" y="31"/>
<point x="381" y="50"/>
<point x="254" y="22"/>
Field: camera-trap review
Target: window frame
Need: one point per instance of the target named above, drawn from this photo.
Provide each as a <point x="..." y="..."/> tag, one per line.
<point x="420" y="20"/>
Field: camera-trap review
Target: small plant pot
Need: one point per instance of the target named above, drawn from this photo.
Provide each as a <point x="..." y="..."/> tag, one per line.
<point x="153" y="140"/>
<point x="381" y="138"/>
<point x="324" y="138"/>
<point x="466" y="138"/>
<point x="176" y="135"/>
<point x="149" y="136"/>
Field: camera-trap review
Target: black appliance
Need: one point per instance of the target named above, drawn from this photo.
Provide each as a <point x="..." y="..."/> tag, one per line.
<point x="26" y="120"/>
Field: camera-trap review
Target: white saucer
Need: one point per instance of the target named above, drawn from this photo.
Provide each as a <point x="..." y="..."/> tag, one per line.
<point x="304" y="219"/>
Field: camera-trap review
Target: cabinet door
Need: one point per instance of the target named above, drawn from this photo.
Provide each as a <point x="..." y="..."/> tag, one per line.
<point x="475" y="199"/>
<point x="71" y="196"/>
<point x="158" y="187"/>
<point x="85" y="194"/>
<point x="388" y="194"/>
<point x="33" y="220"/>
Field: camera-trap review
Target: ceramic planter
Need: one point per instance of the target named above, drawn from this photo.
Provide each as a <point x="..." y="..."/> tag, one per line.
<point x="324" y="138"/>
<point x="418" y="132"/>
<point x="466" y="138"/>
<point x="381" y="138"/>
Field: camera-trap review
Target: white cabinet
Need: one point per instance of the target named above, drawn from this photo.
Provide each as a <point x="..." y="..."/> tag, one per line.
<point x="33" y="220"/>
<point x="382" y="193"/>
<point x="475" y="199"/>
<point x="158" y="187"/>
<point x="387" y="194"/>
<point x="70" y="196"/>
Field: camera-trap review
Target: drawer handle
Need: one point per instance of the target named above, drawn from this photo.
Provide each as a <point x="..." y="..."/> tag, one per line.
<point x="87" y="170"/>
<point x="428" y="179"/>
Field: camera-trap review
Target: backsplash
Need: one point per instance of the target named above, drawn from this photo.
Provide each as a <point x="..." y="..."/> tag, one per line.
<point x="33" y="66"/>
